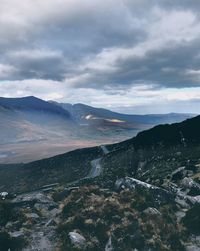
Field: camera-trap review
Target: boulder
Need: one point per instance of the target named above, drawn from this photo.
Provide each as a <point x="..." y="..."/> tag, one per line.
<point x="109" y="245"/>
<point x="63" y="194"/>
<point x="17" y="234"/>
<point x="13" y="225"/>
<point x="3" y="195"/>
<point x="194" y="187"/>
<point x="131" y="183"/>
<point x="178" y="174"/>
<point x="51" y="222"/>
<point x="192" y="248"/>
<point x="32" y="216"/>
<point x="77" y="239"/>
<point x="30" y="199"/>
<point x="152" y="211"/>
<point x="161" y="195"/>
<point x="55" y="212"/>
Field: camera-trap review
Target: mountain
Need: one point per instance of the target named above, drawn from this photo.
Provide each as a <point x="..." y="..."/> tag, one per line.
<point x="88" y="115"/>
<point x="141" y="194"/>
<point x="31" y="128"/>
<point x="32" y="103"/>
<point x="186" y="132"/>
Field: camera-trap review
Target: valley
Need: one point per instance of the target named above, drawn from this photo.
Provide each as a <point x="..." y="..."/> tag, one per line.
<point x="33" y="129"/>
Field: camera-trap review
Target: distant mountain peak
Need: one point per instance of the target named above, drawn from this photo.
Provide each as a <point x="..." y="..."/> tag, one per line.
<point x="32" y="103"/>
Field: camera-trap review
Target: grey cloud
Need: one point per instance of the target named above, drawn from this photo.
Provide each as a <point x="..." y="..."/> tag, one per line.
<point x="82" y="32"/>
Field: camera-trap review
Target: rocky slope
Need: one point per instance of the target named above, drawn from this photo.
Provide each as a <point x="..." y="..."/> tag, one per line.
<point x="132" y="196"/>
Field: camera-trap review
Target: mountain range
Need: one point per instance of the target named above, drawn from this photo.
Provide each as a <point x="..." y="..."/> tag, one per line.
<point x="31" y="128"/>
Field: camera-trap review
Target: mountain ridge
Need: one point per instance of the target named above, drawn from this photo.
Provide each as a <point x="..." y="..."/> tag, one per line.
<point x="33" y="129"/>
<point x="105" y="113"/>
<point x="33" y="103"/>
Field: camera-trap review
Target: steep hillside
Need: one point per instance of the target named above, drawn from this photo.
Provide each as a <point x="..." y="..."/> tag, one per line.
<point x="62" y="168"/>
<point x="128" y="196"/>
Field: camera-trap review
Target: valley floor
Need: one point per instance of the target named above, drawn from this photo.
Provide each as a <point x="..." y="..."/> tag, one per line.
<point x="34" y="150"/>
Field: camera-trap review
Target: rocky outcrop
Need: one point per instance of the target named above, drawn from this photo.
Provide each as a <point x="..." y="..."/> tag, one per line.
<point x="109" y="246"/>
<point x="192" y="186"/>
<point x="77" y="239"/>
<point x="150" y="211"/>
<point x="160" y="195"/>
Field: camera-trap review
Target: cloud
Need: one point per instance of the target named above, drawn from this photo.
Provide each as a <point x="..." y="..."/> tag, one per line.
<point x="38" y="63"/>
<point x="102" y="47"/>
<point x="6" y="70"/>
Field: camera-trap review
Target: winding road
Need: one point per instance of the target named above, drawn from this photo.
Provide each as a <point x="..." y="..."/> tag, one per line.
<point x="42" y="237"/>
<point x="96" y="169"/>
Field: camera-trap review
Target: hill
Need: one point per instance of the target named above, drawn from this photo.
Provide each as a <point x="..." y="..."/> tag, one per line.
<point x="89" y="115"/>
<point x="32" y="129"/>
<point x="32" y="103"/>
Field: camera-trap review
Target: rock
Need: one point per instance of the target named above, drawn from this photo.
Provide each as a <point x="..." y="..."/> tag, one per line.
<point x="151" y="211"/>
<point x="192" y="248"/>
<point x="63" y="194"/>
<point x="30" y="199"/>
<point x="180" y="215"/>
<point x="17" y="234"/>
<point x="27" y="224"/>
<point x="9" y="225"/>
<point x="77" y="239"/>
<point x="182" y="202"/>
<point x="109" y="246"/>
<point x="13" y="225"/>
<point x="40" y="207"/>
<point x="160" y="195"/>
<point x="189" y="183"/>
<point x="190" y="173"/>
<point x="89" y="222"/>
<point x="192" y="200"/>
<point x="45" y="206"/>
<point x="178" y="174"/>
<point x="50" y="185"/>
<point x="130" y="183"/>
<point x="32" y="216"/>
<point x="3" y="195"/>
<point x="55" y="212"/>
<point x="51" y="222"/>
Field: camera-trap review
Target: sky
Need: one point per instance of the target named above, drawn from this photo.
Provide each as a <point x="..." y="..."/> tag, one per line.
<point x="131" y="56"/>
